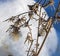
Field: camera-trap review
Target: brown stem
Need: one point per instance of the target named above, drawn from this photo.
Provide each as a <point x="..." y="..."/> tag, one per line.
<point x="44" y="39"/>
<point x="30" y="48"/>
<point x="31" y="40"/>
<point x="38" y="31"/>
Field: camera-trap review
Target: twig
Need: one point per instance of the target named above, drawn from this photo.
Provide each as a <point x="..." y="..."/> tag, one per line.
<point x="38" y="31"/>
<point x="45" y="38"/>
<point x="30" y="48"/>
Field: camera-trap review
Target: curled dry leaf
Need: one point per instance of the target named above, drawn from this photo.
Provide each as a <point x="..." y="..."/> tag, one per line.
<point x="34" y="8"/>
<point x="23" y="19"/>
<point x="18" y="22"/>
<point x="28" y="38"/>
<point x="41" y="32"/>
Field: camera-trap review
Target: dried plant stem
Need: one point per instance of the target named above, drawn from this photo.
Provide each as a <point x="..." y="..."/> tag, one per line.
<point x="23" y="13"/>
<point x="30" y="48"/>
<point x="38" y="31"/>
<point x="31" y="41"/>
<point x="44" y="39"/>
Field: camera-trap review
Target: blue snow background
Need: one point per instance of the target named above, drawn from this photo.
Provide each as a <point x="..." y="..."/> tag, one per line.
<point x="50" y="13"/>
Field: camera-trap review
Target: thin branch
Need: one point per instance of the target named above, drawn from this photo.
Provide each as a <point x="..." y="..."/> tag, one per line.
<point x="38" y="31"/>
<point x="49" y="27"/>
<point x="30" y="48"/>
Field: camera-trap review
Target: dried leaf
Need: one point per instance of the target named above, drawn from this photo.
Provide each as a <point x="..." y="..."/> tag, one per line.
<point x="28" y="38"/>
